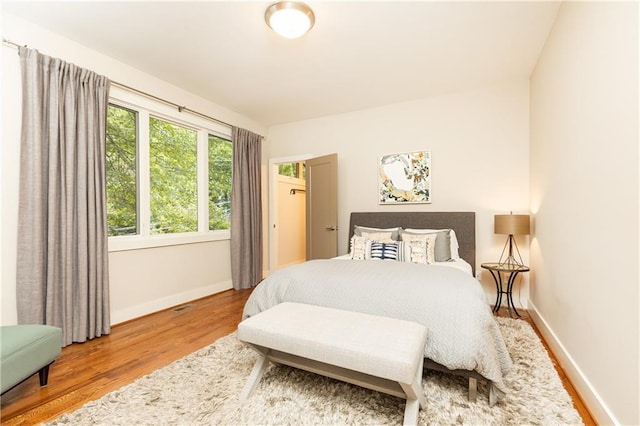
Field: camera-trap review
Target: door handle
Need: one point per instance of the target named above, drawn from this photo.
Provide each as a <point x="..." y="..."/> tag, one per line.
<point x="331" y="228"/>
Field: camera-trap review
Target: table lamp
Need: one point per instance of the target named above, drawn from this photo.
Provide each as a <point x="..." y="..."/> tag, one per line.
<point x="511" y="224"/>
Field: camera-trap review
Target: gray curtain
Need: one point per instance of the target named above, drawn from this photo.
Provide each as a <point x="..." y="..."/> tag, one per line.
<point x="62" y="275"/>
<point x="246" y="210"/>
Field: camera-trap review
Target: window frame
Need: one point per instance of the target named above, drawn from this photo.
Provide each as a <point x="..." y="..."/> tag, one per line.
<point x="145" y="108"/>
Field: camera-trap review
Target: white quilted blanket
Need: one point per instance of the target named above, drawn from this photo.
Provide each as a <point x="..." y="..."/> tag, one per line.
<point x="462" y="333"/>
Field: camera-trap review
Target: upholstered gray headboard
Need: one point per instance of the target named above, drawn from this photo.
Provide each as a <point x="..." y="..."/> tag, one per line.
<point x="464" y="223"/>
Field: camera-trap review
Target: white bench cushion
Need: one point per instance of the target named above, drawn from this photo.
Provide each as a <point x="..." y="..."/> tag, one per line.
<point x="383" y="347"/>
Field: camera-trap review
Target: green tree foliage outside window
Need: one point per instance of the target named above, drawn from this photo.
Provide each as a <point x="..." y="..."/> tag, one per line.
<point x="288" y="169"/>
<point x="295" y="170"/>
<point x="122" y="207"/>
<point x="174" y="177"/>
<point x="220" y="165"/>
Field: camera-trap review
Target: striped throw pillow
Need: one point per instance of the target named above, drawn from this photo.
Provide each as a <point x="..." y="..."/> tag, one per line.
<point x="388" y="251"/>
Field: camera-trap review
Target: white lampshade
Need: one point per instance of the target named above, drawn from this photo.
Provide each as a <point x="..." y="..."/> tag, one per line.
<point x="290" y="19"/>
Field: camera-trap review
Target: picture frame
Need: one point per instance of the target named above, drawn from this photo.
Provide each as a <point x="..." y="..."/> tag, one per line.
<point x="404" y="178"/>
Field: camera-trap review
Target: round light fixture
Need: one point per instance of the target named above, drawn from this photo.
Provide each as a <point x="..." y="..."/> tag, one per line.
<point x="290" y="19"/>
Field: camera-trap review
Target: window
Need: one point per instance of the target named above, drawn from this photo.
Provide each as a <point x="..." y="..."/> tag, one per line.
<point x="220" y="163"/>
<point x="173" y="170"/>
<point x="122" y="200"/>
<point x="295" y="170"/>
<point x="168" y="177"/>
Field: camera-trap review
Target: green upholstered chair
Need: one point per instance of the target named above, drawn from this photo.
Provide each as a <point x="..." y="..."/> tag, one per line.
<point x="26" y="350"/>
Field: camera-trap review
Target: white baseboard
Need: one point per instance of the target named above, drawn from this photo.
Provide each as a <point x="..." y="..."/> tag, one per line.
<point x="131" y="312"/>
<point x="591" y="398"/>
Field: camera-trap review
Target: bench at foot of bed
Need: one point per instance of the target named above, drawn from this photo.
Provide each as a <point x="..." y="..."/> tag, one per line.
<point x="471" y="376"/>
<point x="379" y="353"/>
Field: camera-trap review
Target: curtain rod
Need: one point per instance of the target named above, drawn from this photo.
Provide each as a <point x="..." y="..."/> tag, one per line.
<point x="180" y="108"/>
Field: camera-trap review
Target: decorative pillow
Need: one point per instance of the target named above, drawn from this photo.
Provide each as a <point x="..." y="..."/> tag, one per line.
<point x="384" y="237"/>
<point x="384" y="251"/>
<point x="443" y="252"/>
<point x="360" y="248"/>
<point x="452" y="238"/>
<point x="395" y="232"/>
<point x="421" y="253"/>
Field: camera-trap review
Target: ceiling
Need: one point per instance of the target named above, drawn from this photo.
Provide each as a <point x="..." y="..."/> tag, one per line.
<point x="358" y="55"/>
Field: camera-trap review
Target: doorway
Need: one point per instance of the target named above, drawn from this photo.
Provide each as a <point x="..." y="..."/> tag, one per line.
<point x="295" y="222"/>
<point x="287" y="211"/>
<point x="290" y="224"/>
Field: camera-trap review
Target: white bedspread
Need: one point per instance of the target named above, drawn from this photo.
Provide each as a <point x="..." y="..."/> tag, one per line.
<point x="462" y="333"/>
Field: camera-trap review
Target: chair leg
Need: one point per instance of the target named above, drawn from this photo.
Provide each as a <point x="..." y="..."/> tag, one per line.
<point x="43" y="373"/>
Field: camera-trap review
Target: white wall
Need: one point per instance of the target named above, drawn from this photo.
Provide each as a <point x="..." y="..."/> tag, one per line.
<point x="584" y="195"/>
<point x="142" y="281"/>
<point x="479" y="142"/>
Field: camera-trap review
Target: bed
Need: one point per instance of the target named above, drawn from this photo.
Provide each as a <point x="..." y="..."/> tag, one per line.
<point x="463" y="337"/>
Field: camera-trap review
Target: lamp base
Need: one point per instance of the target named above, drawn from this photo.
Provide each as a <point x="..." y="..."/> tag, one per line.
<point x="510" y="260"/>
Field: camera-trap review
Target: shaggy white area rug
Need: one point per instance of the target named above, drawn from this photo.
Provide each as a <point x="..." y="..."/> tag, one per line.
<point x="202" y="389"/>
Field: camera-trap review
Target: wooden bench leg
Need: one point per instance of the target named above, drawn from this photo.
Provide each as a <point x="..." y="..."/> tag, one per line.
<point x="473" y="389"/>
<point x="415" y="398"/>
<point x="256" y="375"/>
<point x="493" y="395"/>
<point x="411" y="411"/>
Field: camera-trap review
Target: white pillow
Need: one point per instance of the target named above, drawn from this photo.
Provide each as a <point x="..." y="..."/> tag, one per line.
<point x="383" y="237"/>
<point x="454" y="245"/>
<point x="395" y="232"/>
<point x="453" y="239"/>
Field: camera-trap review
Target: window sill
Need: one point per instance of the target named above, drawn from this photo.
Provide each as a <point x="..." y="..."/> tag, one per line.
<point x="137" y="242"/>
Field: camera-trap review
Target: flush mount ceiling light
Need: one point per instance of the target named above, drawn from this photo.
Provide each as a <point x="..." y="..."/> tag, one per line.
<point x="290" y="19"/>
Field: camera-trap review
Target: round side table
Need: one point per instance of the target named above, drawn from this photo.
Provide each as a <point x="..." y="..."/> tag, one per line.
<point x="511" y="271"/>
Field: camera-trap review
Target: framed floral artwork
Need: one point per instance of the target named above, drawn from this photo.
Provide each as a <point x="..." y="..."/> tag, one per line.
<point x="405" y="178"/>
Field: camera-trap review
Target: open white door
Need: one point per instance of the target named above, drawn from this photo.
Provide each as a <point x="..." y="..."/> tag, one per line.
<point x="322" y="207"/>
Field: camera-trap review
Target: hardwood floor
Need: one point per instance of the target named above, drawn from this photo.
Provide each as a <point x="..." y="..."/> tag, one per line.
<point x="87" y="371"/>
